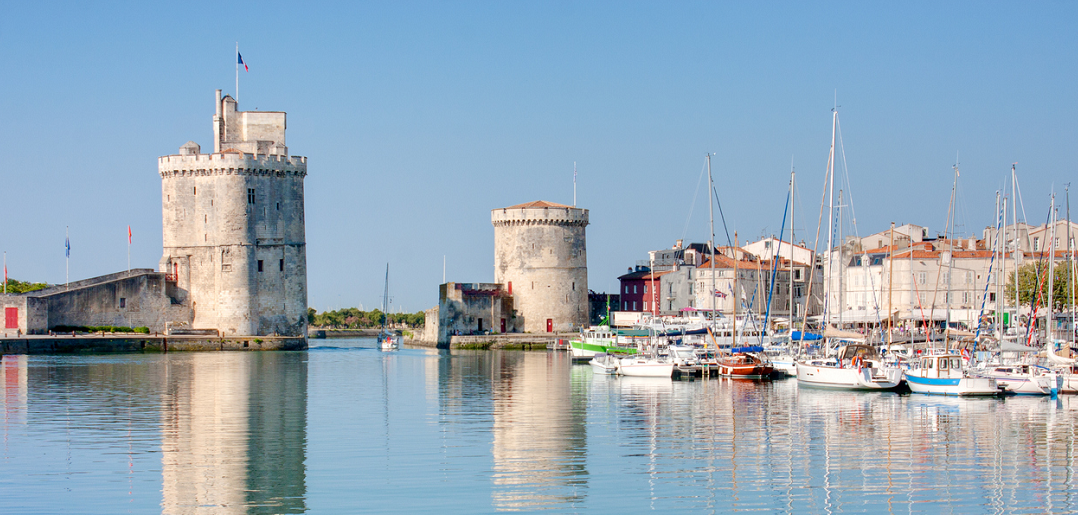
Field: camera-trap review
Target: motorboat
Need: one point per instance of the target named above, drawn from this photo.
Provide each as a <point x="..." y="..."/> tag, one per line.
<point x="603" y="363"/>
<point x="943" y="374"/>
<point x="598" y="340"/>
<point x="857" y="367"/>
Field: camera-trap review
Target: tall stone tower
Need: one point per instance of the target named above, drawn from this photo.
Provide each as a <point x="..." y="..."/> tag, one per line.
<point x="541" y="258"/>
<point x="234" y="238"/>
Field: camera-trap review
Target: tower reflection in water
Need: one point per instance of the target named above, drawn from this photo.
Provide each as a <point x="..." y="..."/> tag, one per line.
<point x="537" y="407"/>
<point x="234" y="433"/>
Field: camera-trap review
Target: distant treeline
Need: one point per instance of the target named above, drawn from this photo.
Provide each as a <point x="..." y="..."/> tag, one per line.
<point x="352" y="318"/>
<point x="16" y="286"/>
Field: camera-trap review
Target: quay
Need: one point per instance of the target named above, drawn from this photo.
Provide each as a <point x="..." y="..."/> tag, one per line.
<point x="506" y="341"/>
<point x="128" y="342"/>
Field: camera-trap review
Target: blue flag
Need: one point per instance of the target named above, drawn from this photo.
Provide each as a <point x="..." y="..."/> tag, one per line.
<point x="239" y="60"/>
<point x="67" y="246"/>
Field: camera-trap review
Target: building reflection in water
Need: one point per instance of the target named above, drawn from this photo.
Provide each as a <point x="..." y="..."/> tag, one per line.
<point x="537" y="408"/>
<point x="13" y="378"/>
<point x="234" y="433"/>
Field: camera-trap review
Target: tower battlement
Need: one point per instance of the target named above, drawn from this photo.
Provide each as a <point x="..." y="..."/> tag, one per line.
<point x="231" y="164"/>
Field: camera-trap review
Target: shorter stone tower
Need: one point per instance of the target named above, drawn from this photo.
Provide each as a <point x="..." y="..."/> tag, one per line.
<point x="233" y="229"/>
<point x="541" y="259"/>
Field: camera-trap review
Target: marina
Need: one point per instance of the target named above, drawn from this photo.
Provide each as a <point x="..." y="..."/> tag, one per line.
<point x="345" y="427"/>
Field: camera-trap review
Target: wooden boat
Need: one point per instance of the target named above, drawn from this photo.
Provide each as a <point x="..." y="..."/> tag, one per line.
<point x="744" y="365"/>
<point x="943" y="374"/>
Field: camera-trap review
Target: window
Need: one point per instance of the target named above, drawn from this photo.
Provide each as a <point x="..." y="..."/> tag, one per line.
<point x="259" y="265"/>
<point x="969" y="277"/>
<point x="992" y="297"/>
<point x="251" y="196"/>
<point x="922" y="277"/>
<point x="645" y="305"/>
<point x="282" y="265"/>
<point x="278" y="206"/>
<point x="645" y="290"/>
<point x="194" y="190"/>
<point x="634" y="305"/>
<point x="123" y="302"/>
<point x="797" y="274"/>
<point x="634" y="291"/>
<point x="1036" y="244"/>
<point x="690" y="289"/>
<point x="965" y="297"/>
<point x="626" y="288"/>
<point x="625" y="305"/>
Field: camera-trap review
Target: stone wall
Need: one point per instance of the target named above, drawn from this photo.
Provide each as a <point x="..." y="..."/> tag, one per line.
<point x="135" y="298"/>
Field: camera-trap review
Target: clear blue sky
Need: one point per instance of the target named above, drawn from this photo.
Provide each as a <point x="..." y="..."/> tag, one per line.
<point x="419" y="118"/>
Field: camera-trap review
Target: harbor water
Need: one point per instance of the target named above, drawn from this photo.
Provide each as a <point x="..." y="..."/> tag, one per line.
<point x="347" y="428"/>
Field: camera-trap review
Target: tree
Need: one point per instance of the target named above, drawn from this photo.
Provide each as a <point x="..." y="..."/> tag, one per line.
<point x="1033" y="277"/>
<point x="17" y="286"/>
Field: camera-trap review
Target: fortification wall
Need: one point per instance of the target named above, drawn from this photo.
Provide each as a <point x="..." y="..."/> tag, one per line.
<point x="540" y="256"/>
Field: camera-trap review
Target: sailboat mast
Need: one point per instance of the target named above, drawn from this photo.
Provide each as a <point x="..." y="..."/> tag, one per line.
<point x="890" y="286"/>
<point x="737" y="297"/>
<point x="1017" y="247"/>
<point x="1051" y="272"/>
<point x="385" y="299"/>
<point x="790" y="292"/>
<point x="830" y="217"/>
<point x="1001" y="250"/>
<point x="711" y="221"/>
<point x="950" y="261"/>
<point x="1070" y="254"/>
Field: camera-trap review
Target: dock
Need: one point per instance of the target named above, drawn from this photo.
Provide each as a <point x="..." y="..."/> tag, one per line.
<point x="133" y="342"/>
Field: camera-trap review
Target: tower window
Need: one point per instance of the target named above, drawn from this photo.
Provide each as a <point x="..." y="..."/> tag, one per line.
<point x="123" y="302"/>
<point x="194" y="190"/>
<point x="282" y="265"/>
<point x="278" y="206"/>
<point x="259" y="265"/>
<point x="250" y="196"/>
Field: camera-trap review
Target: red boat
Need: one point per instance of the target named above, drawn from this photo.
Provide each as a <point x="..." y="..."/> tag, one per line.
<point x="744" y="366"/>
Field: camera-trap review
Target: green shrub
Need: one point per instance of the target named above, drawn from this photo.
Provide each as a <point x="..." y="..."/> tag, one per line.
<point x="142" y="330"/>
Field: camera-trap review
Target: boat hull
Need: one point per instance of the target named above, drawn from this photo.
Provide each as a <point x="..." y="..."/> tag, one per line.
<point x="848" y="378"/>
<point x="636" y="367"/>
<point x="958" y="386"/>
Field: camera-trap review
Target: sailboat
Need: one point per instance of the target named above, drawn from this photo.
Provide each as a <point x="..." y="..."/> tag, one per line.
<point x="387" y="340"/>
<point x="856" y="366"/>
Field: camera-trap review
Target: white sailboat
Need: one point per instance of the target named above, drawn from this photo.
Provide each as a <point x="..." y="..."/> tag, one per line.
<point x="387" y="340"/>
<point x="944" y="374"/>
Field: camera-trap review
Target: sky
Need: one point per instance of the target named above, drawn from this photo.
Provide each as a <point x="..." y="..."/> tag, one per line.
<point x="419" y="118"/>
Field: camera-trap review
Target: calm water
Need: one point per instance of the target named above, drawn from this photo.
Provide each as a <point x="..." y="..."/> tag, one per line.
<point x="347" y="428"/>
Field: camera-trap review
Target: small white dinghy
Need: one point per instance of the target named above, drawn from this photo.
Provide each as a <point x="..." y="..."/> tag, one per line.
<point x="606" y="364"/>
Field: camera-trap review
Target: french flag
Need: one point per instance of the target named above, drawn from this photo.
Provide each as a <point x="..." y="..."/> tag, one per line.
<point x="239" y="56"/>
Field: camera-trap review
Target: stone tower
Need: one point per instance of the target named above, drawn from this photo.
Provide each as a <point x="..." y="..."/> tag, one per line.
<point x="541" y="258"/>
<point x="233" y="229"/>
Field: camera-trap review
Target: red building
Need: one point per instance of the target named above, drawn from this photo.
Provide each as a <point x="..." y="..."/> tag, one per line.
<point x="640" y="290"/>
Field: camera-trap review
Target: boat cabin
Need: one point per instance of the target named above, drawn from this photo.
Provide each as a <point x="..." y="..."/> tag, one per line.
<point x="941" y="366"/>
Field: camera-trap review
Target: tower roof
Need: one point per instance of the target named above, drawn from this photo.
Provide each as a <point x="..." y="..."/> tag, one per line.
<point x="537" y="203"/>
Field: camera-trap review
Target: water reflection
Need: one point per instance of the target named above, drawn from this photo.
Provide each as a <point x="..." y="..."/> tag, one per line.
<point x="537" y="411"/>
<point x="233" y="434"/>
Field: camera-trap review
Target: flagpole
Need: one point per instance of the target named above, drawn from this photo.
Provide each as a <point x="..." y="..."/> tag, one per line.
<point x="128" y="248"/>
<point x="237" y="71"/>
<point x="5" y="272"/>
<point x="67" y="259"/>
<point x="574" y="183"/>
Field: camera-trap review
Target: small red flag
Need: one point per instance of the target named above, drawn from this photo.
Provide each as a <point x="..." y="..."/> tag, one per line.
<point x="128" y="234"/>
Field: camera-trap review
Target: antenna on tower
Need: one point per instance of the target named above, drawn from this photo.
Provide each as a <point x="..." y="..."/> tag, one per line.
<point x="574" y="183"/>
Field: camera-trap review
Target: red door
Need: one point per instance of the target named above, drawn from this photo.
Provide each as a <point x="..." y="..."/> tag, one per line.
<point x="11" y="318"/>
<point x="503" y="326"/>
<point x="550" y="325"/>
